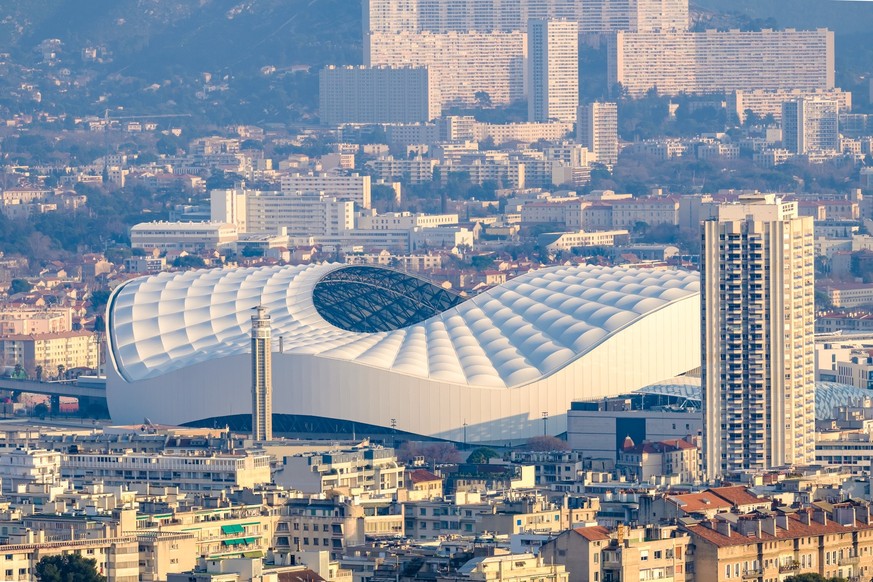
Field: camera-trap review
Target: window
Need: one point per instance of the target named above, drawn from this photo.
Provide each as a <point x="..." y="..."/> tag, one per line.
<point x="644" y="555"/>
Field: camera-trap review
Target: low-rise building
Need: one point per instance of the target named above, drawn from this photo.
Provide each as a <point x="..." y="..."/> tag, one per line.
<point x="182" y="236"/>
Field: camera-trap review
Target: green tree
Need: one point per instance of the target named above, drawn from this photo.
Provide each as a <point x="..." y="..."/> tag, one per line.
<point x="481" y="455"/>
<point x="19" y="286"/>
<point x="189" y="262"/>
<point x="68" y="568"/>
<point x="41" y="411"/>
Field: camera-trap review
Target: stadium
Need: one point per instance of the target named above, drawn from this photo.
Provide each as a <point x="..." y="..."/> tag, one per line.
<point x="373" y="346"/>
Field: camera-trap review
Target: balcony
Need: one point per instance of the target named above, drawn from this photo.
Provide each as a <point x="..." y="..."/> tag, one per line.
<point x="850" y="561"/>
<point x="790" y="567"/>
<point x="753" y="574"/>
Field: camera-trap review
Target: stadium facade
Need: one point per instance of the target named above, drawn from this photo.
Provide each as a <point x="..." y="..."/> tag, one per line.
<point x="379" y="347"/>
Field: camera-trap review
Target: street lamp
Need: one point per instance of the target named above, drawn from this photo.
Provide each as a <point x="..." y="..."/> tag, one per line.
<point x="545" y="423"/>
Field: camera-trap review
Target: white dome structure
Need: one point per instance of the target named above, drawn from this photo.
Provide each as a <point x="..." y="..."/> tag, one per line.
<point x="375" y="346"/>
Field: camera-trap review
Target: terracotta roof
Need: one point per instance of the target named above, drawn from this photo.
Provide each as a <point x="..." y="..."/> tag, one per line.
<point x="694" y="502"/>
<point x="594" y="533"/>
<point x="796" y="529"/>
<point x="737" y="495"/>
<point x="422" y="476"/>
<point x="301" y="576"/>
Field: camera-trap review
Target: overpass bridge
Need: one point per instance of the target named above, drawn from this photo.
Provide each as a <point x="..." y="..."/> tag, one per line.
<point x="90" y="391"/>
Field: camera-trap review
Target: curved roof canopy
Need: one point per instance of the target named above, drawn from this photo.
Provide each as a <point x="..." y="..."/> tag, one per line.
<point x="507" y="336"/>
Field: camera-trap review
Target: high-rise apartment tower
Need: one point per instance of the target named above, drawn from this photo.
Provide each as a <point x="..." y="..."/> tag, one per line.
<point x="597" y="130"/>
<point x="553" y="70"/>
<point x="810" y="125"/>
<point x="262" y="376"/>
<point x="757" y="337"/>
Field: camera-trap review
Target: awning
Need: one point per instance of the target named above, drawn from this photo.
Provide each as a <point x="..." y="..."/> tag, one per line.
<point x="235" y="542"/>
<point x="232" y="529"/>
<point x="251" y="540"/>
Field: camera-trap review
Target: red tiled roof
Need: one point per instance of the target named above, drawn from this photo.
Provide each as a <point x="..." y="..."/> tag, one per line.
<point x="423" y="476"/>
<point x="796" y="529"/>
<point x="594" y="533"/>
<point x="737" y="495"/>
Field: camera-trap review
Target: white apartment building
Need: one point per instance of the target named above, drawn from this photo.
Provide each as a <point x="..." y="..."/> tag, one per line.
<point x="374" y="471"/>
<point x="117" y="557"/>
<point x="721" y="61"/>
<point x="553" y="70"/>
<point x="504" y="172"/>
<point x="376" y="95"/>
<point x="411" y="263"/>
<point x="758" y="323"/>
<point x="352" y="187"/>
<point x="398" y="220"/>
<point x="22" y="467"/>
<point x="271" y="213"/>
<point x="593" y="16"/>
<point x="521" y="132"/>
<point x="69" y="349"/>
<point x="652" y="211"/>
<point x="182" y="236"/>
<point x="810" y="126"/>
<point x="415" y="171"/>
<point x="567" y="241"/>
<point x="463" y="65"/>
<point x="32" y="320"/>
<point x="763" y="103"/>
<point x="597" y="129"/>
<point x="203" y="472"/>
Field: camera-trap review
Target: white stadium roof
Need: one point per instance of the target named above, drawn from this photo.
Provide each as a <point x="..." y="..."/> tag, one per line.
<point x="533" y="328"/>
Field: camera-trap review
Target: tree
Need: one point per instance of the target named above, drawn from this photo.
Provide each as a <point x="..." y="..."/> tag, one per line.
<point x="38" y="372"/>
<point x="189" y="262"/>
<point x="68" y="568"/>
<point x="812" y="577"/>
<point x="546" y="443"/>
<point x="19" y="286"/>
<point x="41" y="411"/>
<point x="483" y="99"/>
<point x="481" y="455"/>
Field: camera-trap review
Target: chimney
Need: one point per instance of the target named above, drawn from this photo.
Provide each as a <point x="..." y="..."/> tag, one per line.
<point x="862" y="512"/>
<point x="782" y="521"/>
<point x="768" y="525"/>
<point x="724" y="528"/>
<point x="820" y="516"/>
<point x="805" y="518"/>
<point x="844" y="515"/>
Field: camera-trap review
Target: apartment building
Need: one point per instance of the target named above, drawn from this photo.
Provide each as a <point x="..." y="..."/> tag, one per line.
<point x="652" y="211"/>
<point x="21" y="467"/>
<point x="352" y="187"/>
<point x="117" y="557"/>
<point x="466" y="68"/>
<point x="567" y="241"/>
<point x="356" y="94"/>
<point x="291" y="214"/>
<point x="507" y="568"/>
<point x="395" y="220"/>
<point x="182" y="236"/>
<point x="49" y="351"/>
<point x="318" y="525"/>
<point x="721" y="61"/>
<point x="763" y="103"/>
<point x="597" y="130"/>
<point x="553" y="73"/>
<point x="196" y="472"/>
<point x="597" y="554"/>
<point x="375" y="471"/>
<point x="757" y="286"/>
<point x="414" y="171"/>
<point x="31" y="320"/>
<point x="810" y="126"/>
<point x="831" y="540"/>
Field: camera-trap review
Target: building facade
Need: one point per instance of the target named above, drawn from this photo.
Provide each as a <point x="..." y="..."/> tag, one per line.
<point x="553" y="70"/>
<point x="757" y="343"/>
<point x="597" y="129"/>
<point x="810" y="126"/>
<point x="721" y="61"/>
<point x="376" y="95"/>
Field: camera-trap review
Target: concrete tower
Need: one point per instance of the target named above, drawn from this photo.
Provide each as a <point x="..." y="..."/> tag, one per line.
<point x="597" y="129"/>
<point x="262" y="376"/>
<point x="757" y="342"/>
<point x="553" y="70"/>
